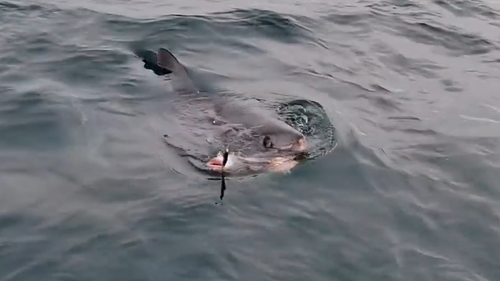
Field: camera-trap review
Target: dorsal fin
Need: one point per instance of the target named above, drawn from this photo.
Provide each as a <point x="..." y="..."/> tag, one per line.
<point x="167" y="60"/>
<point x="164" y="63"/>
<point x="150" y="62"/>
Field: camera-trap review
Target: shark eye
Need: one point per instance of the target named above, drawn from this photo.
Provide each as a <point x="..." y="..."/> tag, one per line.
<point x="267" y="142"/>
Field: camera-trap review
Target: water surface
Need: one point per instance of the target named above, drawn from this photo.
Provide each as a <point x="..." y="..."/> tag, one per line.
<point x="89" y="191"/>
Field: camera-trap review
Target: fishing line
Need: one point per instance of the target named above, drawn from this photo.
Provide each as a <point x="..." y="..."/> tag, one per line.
<point x="223" y="182"/>
<point x="225" y="156"/>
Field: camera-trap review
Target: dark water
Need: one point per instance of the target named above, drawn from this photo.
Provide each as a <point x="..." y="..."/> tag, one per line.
<point x="88" y="190"/>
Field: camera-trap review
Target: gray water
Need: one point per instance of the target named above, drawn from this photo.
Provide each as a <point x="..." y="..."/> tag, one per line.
<point x="89" y="191"/>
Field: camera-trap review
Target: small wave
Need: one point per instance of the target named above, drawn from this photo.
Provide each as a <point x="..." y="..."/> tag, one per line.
<point x="479" y="119"/>
<point x="269" y="23"/>
<point x="8" y="6"/>
<point x="428" y="31"/>
<point x="492" y="107"/>
<point x="260" y="23"/>
<point x="452" y="39"/>
<point x="468" y="8"/>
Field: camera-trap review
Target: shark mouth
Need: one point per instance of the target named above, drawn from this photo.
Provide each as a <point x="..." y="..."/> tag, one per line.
<point x="276" y="164"/>
<point x="215" y="164"/>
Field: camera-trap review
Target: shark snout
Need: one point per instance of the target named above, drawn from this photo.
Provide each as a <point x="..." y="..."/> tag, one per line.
<point x="298" y="145"/>
<point x="301" y="144"/>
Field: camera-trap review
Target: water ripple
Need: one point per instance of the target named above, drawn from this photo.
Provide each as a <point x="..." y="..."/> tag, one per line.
<point x="90" y="191"/>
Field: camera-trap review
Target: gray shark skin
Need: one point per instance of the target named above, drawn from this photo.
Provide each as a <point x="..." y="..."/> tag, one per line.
<point x="243" y="123"/>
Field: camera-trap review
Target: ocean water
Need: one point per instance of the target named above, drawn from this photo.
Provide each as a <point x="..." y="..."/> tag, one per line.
<point x="89" y="191"/>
